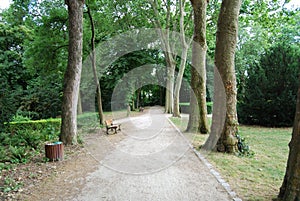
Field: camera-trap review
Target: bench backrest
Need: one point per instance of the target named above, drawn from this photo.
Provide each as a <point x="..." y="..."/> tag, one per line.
<point x="109" y="122"/>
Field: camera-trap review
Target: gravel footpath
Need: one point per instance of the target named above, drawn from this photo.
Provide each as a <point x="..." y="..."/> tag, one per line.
<point x="153" y="161"/>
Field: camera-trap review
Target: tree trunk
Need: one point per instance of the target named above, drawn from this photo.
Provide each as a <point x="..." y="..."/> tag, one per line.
<point x="93" y="58"/>
<point x="290" y="189"/>
<point x="79" y="105"/>
<point x="224" y="61"/>
<point x="168" y="47"/>
<point x="161" y="95"/>
<point x="185" y="46"/>
<point x="68" y="133"/>
<point x="198" y="109"/>
<point x="138" y="98"/>
<point x="170" y="84"/>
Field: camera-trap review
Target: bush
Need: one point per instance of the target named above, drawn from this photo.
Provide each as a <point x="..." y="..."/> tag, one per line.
<point x="24" y="139"/>
<point x="34" y="125"/>
<point x="243" y="147"/>
<point x="271" y="88"/>
<point x="185" y="107"/>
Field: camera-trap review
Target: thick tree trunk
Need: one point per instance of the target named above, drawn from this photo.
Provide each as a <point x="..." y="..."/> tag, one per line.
<point x="224" y="61"/>
<point x="198" y="110"/>
<point x="73" y="72"/>
<point x="170" y="85"/>
<point x="290" y="189"/>
<point x="168" y="47"/>
<point x="93" y="58"/>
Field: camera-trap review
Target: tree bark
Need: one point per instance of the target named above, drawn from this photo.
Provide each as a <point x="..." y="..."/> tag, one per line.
<point x="290" y="189"/>
<point x="170" y="86"/>
<point x="79" y="104"/>
<point x="226" y="41"/>
<point x="198" y="109"/>
<point x="185" y="46"/>
<point x="93" y="58"/>
<point x="138" y="97"/>
<point x="224" y="60"/>
<point x="170" y="58"/>
<point x="72" y="75"/>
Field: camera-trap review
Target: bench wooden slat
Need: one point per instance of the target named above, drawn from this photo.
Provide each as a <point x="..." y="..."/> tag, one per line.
<point x="110" y="126"/>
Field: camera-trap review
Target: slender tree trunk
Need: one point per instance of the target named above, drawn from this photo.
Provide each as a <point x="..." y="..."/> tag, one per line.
<point x="68" y="133"/>
<point x="161" y="95"/>
<point x="224" y="61"/>
<point x="93" y="58"/>
<point x="198" y="109"/>
<point x="138" y="97"/>
<point x="185" y="46"/>
<point x="79" y="105"/>
<point x="290" y="189"/>
<point x="133" y="104"/>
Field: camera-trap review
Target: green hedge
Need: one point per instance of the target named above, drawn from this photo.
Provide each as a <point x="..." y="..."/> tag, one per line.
<point x="185" y="107"/>
<point x="85" y="119"/>
<point x="34" y="125"/>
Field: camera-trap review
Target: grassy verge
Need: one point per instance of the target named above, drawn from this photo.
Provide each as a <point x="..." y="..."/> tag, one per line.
<point x="258" y="177"/>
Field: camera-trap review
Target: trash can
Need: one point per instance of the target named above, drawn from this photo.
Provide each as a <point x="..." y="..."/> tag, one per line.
<point x="54" y="151"/>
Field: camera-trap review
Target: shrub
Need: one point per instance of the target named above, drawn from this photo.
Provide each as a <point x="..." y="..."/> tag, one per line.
<point x="34" y="125"/>
<point x="209" y="107"/>
<point x="271" y="88"/>
<point x="243" y="147"/>
<point x="25" y="138"/>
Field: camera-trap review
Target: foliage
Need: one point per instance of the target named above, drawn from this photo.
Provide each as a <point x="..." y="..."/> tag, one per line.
<point x="209" y="107"/>
<point x="24" y="139"/>
<point x="117" y="73"/>
<point x="34" y="125"/>
<point x="88" y="120"/>
<point x="13" y="76"/>
<point x="10" y="185"/>
<point x="271" y="87"/>
<point x="243" y="147"/>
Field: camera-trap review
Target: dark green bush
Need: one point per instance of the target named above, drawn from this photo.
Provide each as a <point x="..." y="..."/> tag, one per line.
<point x="243" y="147"/>
<point x="271" y="87"/>
<point x="209" y="107"/>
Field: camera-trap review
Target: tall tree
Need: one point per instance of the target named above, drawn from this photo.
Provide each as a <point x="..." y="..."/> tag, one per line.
<point x="226" y="41"/>
<point x="198" y="110"/>
<point x="93" y="58"/>
<point x="184" y="46"/>
<point x="72" y="75"/>
<point x="290" y="189"/>
<point x="168" y="46"/>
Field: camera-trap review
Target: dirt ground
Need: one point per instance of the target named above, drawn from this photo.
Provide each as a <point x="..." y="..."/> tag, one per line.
<point x="52" y="180"/>
<point x="124" y="166"/>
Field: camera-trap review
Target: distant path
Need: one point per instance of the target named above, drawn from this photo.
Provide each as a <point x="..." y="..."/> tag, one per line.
<point x="152" y="162"/>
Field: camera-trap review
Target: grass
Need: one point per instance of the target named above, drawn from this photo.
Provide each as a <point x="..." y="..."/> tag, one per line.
<point x="252" y="178"/>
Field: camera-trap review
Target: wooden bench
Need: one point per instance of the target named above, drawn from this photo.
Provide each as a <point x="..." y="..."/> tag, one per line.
<point x="110" y="126"/>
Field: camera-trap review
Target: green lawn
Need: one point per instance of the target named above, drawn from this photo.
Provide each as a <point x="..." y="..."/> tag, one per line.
<point x="258" y="177"/>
